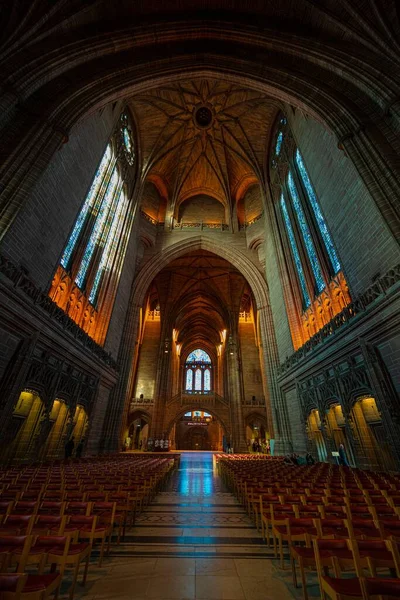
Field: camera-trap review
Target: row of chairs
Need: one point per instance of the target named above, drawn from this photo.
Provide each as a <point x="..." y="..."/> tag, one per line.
<point x="50" y="518"/>
<point x="326" y="515"/>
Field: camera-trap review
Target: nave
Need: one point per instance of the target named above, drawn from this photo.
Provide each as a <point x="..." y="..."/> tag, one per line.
<point x="194" y="541"/>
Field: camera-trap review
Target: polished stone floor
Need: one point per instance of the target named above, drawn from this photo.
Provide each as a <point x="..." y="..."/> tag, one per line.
<point x="194" y="541"/>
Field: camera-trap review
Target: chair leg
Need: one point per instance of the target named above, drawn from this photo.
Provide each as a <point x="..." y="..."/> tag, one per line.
<point x="303" y="580"/>
<point x="294" y="574"/>
<point x="86" y="570"/>
<point x="281" y="552"/>
<point x="102" y="551"/>
<point x="75" y="577"/>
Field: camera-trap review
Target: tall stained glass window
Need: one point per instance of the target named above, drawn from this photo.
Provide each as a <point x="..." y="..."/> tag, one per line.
<point x="87" y="277"/>
<point x="114" y="185"/>
<point x="207" y="380"/>
<point x="308" y="241"/>
<point x="295" y="252"/>
<point x="326" y="237"/>
<point x="278" y="145"/>
<point x="189" y="379"/>
<point x="197" y="380"/>
<point x="99" y="179"/>
<point x="198" y="369"/>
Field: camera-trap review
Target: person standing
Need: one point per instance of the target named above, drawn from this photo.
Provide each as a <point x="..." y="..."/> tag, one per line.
<point x="69" y="448"/>
<point x="342" y="456"/>
<point x="79" y="449"/>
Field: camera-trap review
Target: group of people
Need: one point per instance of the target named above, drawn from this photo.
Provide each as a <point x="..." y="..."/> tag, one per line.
<point x="297" y="459"/>
<point x="69" y="448"/>
<point x="262" y="446"/>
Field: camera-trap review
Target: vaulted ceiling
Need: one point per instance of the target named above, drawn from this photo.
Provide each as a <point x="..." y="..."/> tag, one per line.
<point x="200" y="295"/>
<point x="203" y="136"/>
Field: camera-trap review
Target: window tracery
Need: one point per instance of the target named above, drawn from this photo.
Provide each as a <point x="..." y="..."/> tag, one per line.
<point x="198" y="378"/>
<point x="319" y="285"/>
<point x="92" y="258"/>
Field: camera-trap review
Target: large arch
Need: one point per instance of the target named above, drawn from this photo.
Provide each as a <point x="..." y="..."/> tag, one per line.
<point x="119" y="405"/>
<point x="161" y="259"/>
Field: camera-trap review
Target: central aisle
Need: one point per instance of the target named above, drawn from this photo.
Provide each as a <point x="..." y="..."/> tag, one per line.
<point x="194" y="541"/>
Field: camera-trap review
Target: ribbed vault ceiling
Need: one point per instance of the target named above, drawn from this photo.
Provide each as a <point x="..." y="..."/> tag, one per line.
<point x="200" y="295"/>
<point x="203" y="136"/>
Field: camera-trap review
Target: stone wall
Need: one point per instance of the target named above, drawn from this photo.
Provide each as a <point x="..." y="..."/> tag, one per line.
<point x="252" y="203"/>
<point x="251" y="372"/>
<point x="201" y="208"/>
<point x="148" y="360"/>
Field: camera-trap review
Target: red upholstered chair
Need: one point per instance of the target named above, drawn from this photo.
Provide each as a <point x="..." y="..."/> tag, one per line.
<point x="294" y="530"/>
<point x="17" y="525"/>
<point x="26" y="507"/>
<point x="374" y="588"/>
<point x="11" y="585"/>
<point x="46" y="524"/>
<point x="19" y="586"/>
<point x="69" y="556"/>
<point x="342" y="554"/>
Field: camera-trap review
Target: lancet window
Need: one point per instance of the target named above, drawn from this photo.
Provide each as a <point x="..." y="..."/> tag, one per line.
<point x="87" y="277"/>
<point x="198" y="368"/>
<point x="318" y="286"/>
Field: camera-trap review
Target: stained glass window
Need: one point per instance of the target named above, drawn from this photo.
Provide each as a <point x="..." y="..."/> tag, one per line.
<point x="279" y="141"/>
<point x="111" y="242"/>
<point x="99" y="178"/>
<point x="189" y="379"/>
<point x="295" y="252"/>
<point x="113" y="188"/>
<point x="198" y="356"/>
<point x="197" y="380"/>
<point x="330" y="248"/>
<point x="309" y="244"/>
<point x="127" y="140"/>
<point x="207" y="380"/>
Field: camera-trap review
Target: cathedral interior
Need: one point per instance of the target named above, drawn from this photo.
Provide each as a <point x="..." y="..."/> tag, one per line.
<point x="199" y="233"/>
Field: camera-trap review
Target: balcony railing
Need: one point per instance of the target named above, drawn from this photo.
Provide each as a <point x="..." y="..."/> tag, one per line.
<point x="135" y="402"/>
<point x="200" y="225"/>
<point x="254" y="402"/>
<point x="201" y="398"/>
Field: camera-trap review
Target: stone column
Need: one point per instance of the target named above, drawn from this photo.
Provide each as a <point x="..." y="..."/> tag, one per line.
<point x="235" y="387"/>
<point x="280" y="421"/>
<point x="161" y="388"/>
<point x="377" y="164"/>
<point x="117" y="412"/>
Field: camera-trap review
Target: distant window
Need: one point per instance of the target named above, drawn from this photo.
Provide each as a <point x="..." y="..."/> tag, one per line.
<point x="198" y="372"/>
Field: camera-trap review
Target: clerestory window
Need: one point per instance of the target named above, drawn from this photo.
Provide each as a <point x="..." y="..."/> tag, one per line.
<point x="87" y="277"/>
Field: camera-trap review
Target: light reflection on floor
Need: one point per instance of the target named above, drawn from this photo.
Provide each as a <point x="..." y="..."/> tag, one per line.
<point x="196" y="476"/>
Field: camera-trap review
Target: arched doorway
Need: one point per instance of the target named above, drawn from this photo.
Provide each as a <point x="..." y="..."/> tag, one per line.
<point x="27" y="418"/>
<point x="315" y="436"/>
<point x="374" y="447"/>
<point x="257" y="434"/>
<point x="138" y="430"/>
<point x="197" y="430"/>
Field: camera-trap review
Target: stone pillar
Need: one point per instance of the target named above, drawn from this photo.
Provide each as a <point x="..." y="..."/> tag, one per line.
<point x="377" y="164"/>
<point x="161" y="388"/>
<point x="235" y="387"/>
<point x="118" y="407"/>
<point x="280" y="421"/>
